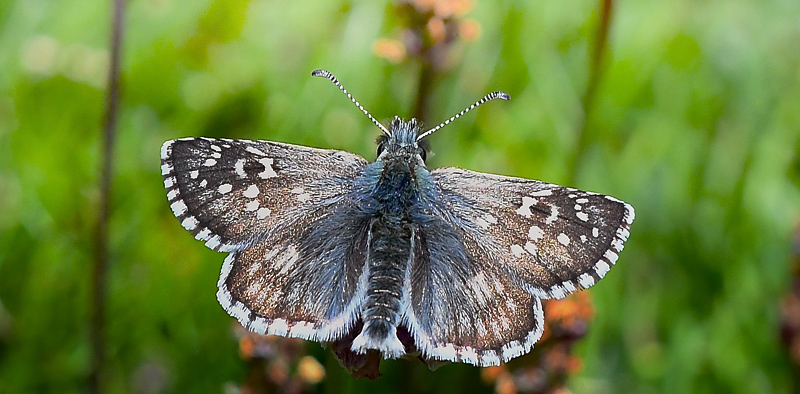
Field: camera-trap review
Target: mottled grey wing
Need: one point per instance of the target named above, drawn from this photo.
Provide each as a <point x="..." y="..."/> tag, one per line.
<point x="228" y="192"/>
<point x="492" y="248"/>
<point x="285" y="212"/>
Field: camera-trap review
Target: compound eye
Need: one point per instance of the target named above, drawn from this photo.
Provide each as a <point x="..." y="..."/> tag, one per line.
<point x="424" y="154"/>
<point x="381" y="148"/>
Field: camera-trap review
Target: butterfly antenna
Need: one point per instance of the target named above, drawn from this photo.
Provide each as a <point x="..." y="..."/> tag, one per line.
<point x="488" y="97"/>
<point x="326" y="74"/>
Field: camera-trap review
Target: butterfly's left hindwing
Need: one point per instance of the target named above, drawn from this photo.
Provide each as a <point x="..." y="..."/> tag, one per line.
<point x="286" y="215"/>
<point x="491" y="248"/>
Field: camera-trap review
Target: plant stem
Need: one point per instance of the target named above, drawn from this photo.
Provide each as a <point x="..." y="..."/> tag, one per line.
<point x="100" y="267"/>
<point x="595" y="69"/>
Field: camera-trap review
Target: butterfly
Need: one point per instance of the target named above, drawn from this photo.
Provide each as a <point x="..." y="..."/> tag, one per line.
<point x="389" y="256"/>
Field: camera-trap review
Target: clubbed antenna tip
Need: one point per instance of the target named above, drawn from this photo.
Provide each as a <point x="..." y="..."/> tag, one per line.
<point x="488" y="97"/>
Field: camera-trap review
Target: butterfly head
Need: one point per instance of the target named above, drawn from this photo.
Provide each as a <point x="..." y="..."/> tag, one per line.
<point x="402" y="141"/>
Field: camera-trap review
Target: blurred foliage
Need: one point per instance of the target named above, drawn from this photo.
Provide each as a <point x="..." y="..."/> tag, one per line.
<point x="695" y="121"/>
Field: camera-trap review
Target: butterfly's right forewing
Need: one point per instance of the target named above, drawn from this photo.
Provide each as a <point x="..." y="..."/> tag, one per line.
<point x="228" y="192"/>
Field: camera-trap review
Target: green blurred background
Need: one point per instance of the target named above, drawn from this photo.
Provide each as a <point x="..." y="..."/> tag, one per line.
<point x="694" y="120"/>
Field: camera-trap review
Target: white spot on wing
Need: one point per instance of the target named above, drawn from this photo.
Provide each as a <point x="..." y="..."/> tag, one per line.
<point x="558" y="292"/>
<point x="251" y="192"/>
<point x="251" y="206"/>
<point x="190" y="223"/>
<point x="263" y="212"/>
<point x="268" y="172"/>
<point x="601" y="268"/>
<point x="490" y="358"/>
<point x="225" y="188"/>
<point x="582" y="216"/>
<point x="166" y="150"/>
<point x="623" y="233"/>
<point x="255" y="151"/>
<point x="595" y="232"/>
<point x="240" y="312"/>
<point x="563" y="239"/>
<point x="203" y="234"/>
<point x="553" y="215"/>
<point x="238" y="167"/>
<point x="210" y="162"/>
<point x="535" y="233"/>
<point x="446" y="352"/>
<point x="531" y="248"/>
<point x="279" y="327"/>
<point x="517" y="250"/>
<point x="510" y="350"/>
<point x="469" y="355"/>
<point x="259" y="325"/>
<point x="194" y="174"/>
<point x="542" y="193"/>
<point x="630" y="214"/>
<point x="303" y="330"/>
<point x="178" y="208"/>
<point x="486" y="220"/>
<point x="214" y="242"/>
<point x="585" y="280"/>
<point x="525" y="208"/>
<point x="611" y="256"/>
<point x="302" y="196"/>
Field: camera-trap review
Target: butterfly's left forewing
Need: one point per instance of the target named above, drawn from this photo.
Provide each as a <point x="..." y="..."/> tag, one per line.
<point x="286" y="213"/>
<point x="508" y="242"/>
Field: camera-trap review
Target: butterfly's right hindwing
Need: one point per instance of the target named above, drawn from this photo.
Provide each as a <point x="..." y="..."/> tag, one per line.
<point x="308" y="282"/>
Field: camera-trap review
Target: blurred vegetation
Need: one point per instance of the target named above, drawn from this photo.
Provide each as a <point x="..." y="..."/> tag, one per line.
<point x="694" y="119"/>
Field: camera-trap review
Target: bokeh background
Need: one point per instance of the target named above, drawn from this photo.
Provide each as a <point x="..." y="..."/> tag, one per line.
<point x="689" y="110"/>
